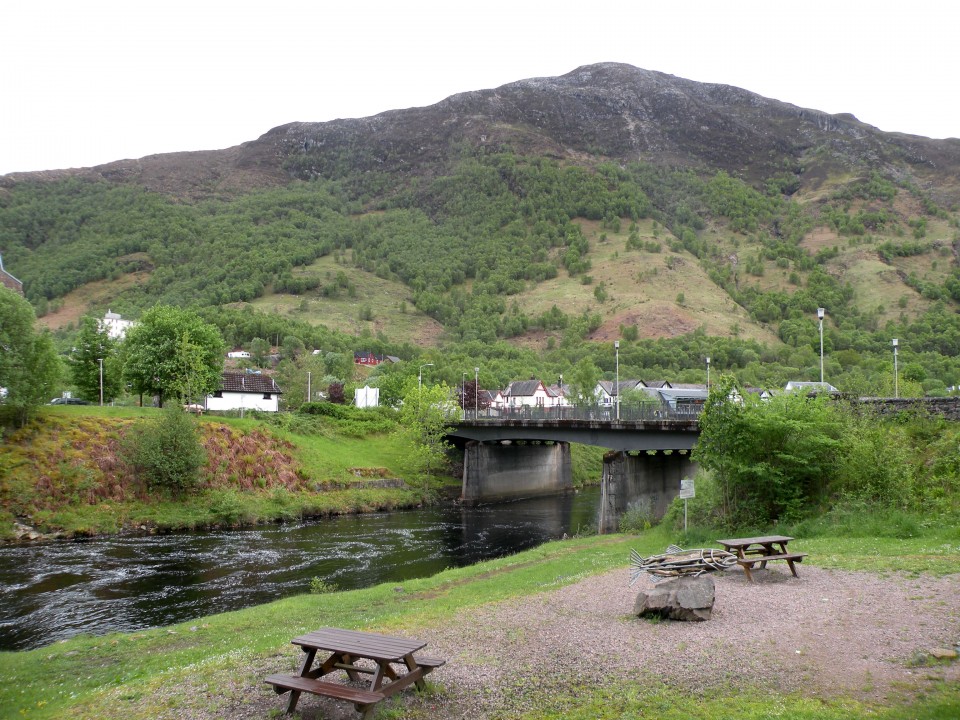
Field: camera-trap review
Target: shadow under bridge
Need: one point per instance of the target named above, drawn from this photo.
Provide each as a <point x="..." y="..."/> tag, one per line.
<point x="507" y="458"/>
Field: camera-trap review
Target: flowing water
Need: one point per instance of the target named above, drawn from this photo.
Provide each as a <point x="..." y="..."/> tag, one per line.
<point x="53" y="591"/>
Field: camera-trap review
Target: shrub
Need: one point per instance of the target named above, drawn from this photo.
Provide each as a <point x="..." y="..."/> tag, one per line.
<point x="166" y="452"/>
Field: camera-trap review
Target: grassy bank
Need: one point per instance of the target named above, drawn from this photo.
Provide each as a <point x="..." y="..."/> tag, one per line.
<point x="65" y="473"/>
<point x="208" y="666"/>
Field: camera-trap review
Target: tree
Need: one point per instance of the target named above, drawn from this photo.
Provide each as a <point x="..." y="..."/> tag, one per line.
<point x="584" y="381"/>
<point x="94" y="345"/>
<point x="29" y="366"/>
<point x="259" y="350"/>
<point x="173" y="352"/>
<point x="470" y="397"/>
<point x="773" y="459"/>
<point x="166" y="451"/>
<point x="292" y="348"/>
<point x="425" y="417"/>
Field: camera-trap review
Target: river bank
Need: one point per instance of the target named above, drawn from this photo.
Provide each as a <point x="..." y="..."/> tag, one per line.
<point x="539" y="609"/>
<point x="65" y="476"/>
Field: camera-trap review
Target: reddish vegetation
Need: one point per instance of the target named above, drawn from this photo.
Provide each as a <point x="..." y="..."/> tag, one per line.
<point x="62" y="462"/>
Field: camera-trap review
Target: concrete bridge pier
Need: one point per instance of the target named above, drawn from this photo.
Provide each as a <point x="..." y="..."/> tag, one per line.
<point x="651" y="479"/>
<point x="498" y="471"/>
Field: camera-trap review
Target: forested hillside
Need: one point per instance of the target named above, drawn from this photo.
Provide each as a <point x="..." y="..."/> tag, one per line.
<point x="498" y="233"/>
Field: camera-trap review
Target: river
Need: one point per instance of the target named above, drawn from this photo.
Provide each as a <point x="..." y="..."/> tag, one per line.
<point x="56" y="590"/>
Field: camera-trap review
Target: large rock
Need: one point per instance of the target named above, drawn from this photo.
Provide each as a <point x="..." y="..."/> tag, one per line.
<point x="684" y="598"/>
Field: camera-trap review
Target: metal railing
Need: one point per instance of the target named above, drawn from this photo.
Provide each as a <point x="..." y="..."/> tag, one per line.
<point x="602" y="413"/>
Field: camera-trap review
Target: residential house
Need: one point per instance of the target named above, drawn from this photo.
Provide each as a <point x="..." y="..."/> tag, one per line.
<point x="527" y="394"/>
<point x="245" y="391"/>
<point x="239" y="354"/>
<point x="364" y="357"/>
<point x="8" y="280"/>
<point x="607" y="390"/>
<point x="115" y="325"/>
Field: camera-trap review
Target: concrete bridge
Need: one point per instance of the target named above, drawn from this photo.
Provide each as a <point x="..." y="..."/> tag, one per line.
<point x="507" y="458"/>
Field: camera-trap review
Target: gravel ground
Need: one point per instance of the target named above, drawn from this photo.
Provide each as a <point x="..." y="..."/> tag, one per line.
<point x="825" y="633"/>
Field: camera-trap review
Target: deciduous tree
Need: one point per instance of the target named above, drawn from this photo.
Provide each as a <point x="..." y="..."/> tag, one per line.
<point x="29" y="366"/>
<point x="173" y="352"/>
<point x="93" y="345"/>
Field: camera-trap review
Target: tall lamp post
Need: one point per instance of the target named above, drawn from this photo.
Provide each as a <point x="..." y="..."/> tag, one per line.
<point x="308" y="386"/>
<point x="100" y="360"/>
<point x="708" y="373"/>
<point x="463" y="394"/>
<point x="896" y="380"/>
<point x="476" y="393"/>
<point x="616" y="347"/>
<point x="820" y="314"/>
<point x="420" y="375"/>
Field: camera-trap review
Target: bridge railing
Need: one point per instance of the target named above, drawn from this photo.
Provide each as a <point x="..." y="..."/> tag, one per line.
<point x="604" y="413"/>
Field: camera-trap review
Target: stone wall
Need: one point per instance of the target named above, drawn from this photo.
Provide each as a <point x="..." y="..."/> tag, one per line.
<point x="946" y="407"/>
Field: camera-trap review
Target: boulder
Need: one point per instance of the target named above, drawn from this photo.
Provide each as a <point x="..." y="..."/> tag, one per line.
<point x="684" y="598"/>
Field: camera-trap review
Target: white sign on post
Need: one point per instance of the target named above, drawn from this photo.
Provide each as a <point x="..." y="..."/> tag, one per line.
<point x="686" y="492"/>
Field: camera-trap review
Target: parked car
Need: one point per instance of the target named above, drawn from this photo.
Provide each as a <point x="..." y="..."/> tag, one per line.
<point x="68" y="401"/>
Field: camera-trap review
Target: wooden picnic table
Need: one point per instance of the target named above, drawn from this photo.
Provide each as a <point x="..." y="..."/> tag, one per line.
<point x="345" y="648"/>
<point x="763" y="549"/>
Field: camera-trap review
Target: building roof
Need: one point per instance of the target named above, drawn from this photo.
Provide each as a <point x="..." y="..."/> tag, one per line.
<point x="810" y="386"/>
<point x="522" y="388"/>
<point x="656" y="383"/>
<point x="611" y="388"/>
<point x="8" y="280"/>
<point x="248" y="383"/>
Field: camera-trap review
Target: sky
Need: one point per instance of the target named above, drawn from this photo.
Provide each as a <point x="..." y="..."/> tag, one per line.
<point x="86" y="82"/>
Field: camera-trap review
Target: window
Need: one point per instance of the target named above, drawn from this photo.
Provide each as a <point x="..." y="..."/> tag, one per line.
<point x="218" y="394"/>
<point x="266" y="396"/>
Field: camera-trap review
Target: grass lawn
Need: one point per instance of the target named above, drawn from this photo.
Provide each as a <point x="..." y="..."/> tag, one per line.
<point x="206" y="666"/>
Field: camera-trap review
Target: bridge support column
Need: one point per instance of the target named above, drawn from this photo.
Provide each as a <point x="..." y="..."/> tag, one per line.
<point x="496" y="472"/>
<point x="649" y="480"/>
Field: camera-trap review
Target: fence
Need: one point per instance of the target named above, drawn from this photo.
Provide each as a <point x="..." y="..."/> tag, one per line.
<point x="600" y="413"/>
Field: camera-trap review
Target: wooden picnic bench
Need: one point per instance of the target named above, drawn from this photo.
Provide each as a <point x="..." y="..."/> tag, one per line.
<point x="750" y="551"/>
<point x="346" y="647"/>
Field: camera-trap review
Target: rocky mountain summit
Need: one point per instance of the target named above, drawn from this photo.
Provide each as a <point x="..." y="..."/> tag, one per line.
<point x="608" y="110"/>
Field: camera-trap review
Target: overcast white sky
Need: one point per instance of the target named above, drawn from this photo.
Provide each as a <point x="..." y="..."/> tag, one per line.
<point x="85" y="82"/>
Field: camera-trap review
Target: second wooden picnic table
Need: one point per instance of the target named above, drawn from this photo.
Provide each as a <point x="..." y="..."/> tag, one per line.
<point x="762" y="549"/>
<point x="346" y="647"/>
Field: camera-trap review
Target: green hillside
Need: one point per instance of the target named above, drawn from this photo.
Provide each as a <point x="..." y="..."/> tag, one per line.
<point x="554" y="257"/>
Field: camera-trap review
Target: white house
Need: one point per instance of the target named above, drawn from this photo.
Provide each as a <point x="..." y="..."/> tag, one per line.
<point x="606" y="390"/>
<point x="245" y="391"/>
<point x="115" y="325"/>
<point x="528" y="393"/>
<point x="239" y="355"/>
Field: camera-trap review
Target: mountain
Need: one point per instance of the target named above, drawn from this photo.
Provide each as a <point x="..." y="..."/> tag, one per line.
<point x="610" y="202"/>
<point x="608" y="110"/>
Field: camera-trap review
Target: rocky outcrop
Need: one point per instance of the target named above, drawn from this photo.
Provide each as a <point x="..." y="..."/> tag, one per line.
<point x="684" y="598"/>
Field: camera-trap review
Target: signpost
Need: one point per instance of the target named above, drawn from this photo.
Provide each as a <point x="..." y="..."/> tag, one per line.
<point x="686" y="492"/>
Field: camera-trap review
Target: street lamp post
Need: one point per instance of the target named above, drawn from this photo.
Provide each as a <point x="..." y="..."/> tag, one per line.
<point x="708" y="373"/>
<point x="896" y="380"/>
<point x="100" y="360"/>
<point x="616" y="347"/>
<point x="476" y="393"/>
<point x="308" y="386"/>
<point x="820" y="314"/>
<point x="463" y="394"/>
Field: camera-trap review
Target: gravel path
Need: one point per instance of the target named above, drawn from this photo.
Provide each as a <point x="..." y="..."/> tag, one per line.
<point x="826" y="633"/>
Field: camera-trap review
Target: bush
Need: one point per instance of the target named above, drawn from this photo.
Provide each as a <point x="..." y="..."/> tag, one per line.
<point x="166" y="452"/>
